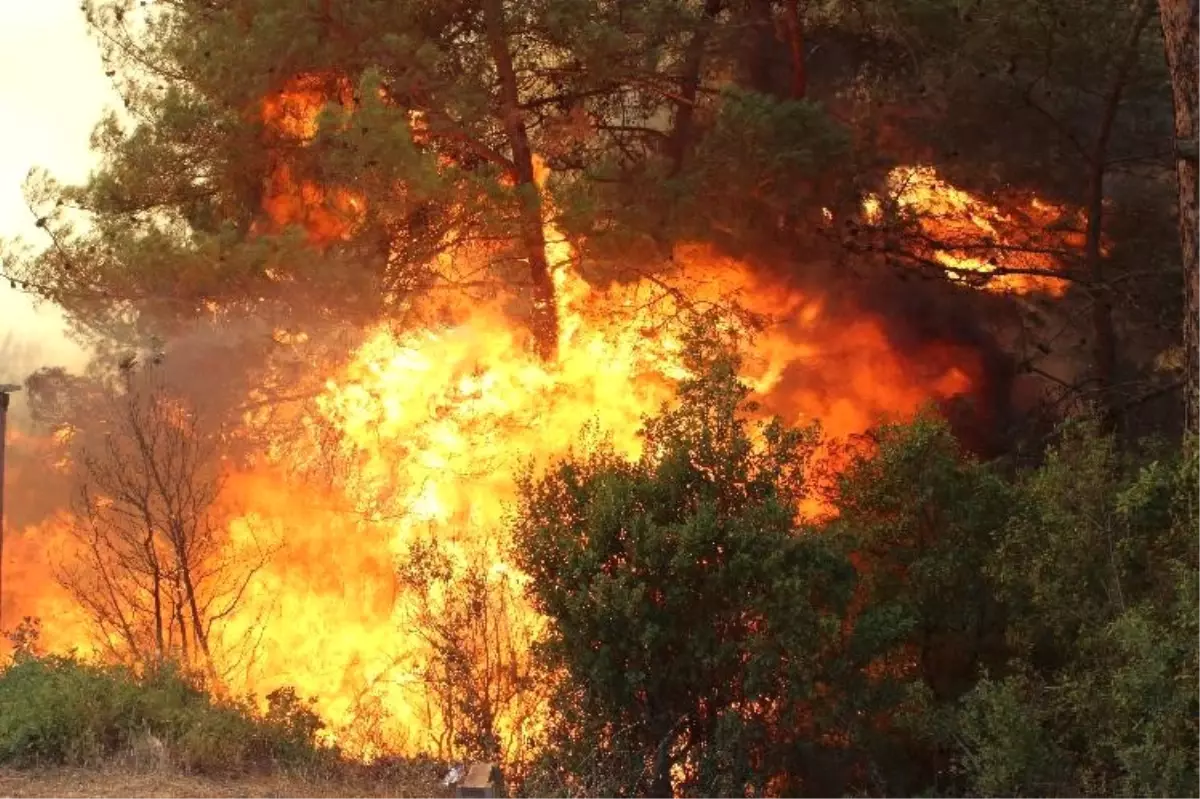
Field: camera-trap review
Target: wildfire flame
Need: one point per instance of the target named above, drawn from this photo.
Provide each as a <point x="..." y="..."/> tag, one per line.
<point x="430" y="426"/>
<point x="290" y="117"/>
<point x="434" y="423"/>
<point x="1022" y="247"/>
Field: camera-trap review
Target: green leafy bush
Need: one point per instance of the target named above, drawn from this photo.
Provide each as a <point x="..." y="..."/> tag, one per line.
<point x="1097" y="570"/>
<point x="62" y="710"/>
<point x="690" y="620"/>
<point x="959" y="627"/>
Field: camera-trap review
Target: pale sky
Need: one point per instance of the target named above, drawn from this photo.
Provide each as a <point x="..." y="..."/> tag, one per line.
<point x="52" y="92"/>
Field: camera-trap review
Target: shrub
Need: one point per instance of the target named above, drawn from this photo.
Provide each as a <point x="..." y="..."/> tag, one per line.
<point x="690" y="619"/>
<point x="1097" y="570"/>
<point x="62" y="710"/>
<point x="960" y="627"/>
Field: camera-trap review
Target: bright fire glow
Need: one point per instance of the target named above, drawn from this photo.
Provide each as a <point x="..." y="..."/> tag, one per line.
<point x="426" y="429"/>
<point x="326" y="213"/>
<point x="968" y="235"/>
<point x="433" y="424"/>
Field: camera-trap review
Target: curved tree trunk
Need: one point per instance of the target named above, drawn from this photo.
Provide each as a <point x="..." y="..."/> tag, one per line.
<point x="1179" y="24"/>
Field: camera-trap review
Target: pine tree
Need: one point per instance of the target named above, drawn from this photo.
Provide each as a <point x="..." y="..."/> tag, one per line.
<point x="1179" y="23"/>
<point x="284" y="154"/>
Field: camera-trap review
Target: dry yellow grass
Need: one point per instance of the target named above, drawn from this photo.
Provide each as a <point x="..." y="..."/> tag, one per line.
<point x="126" y="782"/>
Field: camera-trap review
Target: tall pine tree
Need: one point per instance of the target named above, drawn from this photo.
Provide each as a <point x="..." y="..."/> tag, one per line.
<point x="276" y="152"/>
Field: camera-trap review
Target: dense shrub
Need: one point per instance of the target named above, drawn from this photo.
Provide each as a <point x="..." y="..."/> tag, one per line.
<point x="1050" y="612"/>
<point x="1097" y="568"/>
<point x="63" y="710"/>
<point x="959" y="628"/>
<point x="697" y="631"/>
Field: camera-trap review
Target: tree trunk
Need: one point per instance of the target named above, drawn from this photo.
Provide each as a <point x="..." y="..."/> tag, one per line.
<point x="156" y="586"/>
<point x="793" y="20"/>
<point x="1104" y="344"/>
<point x="689" y="87"/>
<point x="533" y="238"/>
<point x="759" y="44"/>
<point x="199" y="631"/>
<point x="185" y="649"/>
<point x="679" y="141"/>
<point x="1179" y="22"/>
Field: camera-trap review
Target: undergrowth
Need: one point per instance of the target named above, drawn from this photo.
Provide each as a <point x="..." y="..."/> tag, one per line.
<point x="62" y="710"/>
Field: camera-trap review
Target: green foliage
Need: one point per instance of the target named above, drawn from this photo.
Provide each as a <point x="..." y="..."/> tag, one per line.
<point x="689" y="617"/>
<point x="1049" y="616"/>
<point x="1073" y="536"/>
<point x="1006" y="750"/>
<point x="1098" y="570"/>
<point x="920" y="517"/>
<point x="1000" y="632"/>
<point x="62" y="710"/>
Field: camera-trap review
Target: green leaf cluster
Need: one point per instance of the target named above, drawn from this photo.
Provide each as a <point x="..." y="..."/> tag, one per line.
<point x="62" y="710"/>
<point x="958" y="627"/>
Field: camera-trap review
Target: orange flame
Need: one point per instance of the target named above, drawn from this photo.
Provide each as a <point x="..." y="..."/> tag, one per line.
<point x="326" y="213"/>
<point x="430" y="427"/>
<point x="968" y="235"/>
<point x="433" y="424"/>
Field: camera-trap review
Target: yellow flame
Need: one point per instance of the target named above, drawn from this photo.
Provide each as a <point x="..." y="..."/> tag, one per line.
<point x="426" y="430"/>
<point x="1020" y="239"/>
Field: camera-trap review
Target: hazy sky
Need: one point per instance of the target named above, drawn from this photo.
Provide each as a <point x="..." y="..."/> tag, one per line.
<point x="52" y="92"/>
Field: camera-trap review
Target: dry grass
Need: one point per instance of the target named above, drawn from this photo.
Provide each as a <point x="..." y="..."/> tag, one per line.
<point x="131" y="782"/>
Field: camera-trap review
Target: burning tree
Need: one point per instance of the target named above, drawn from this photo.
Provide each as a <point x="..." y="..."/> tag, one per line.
<point x="404" y="133"/>
<point x="152" y="568"/>
<point x="1061" y="110"/>
<point x="476" y="670"/>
